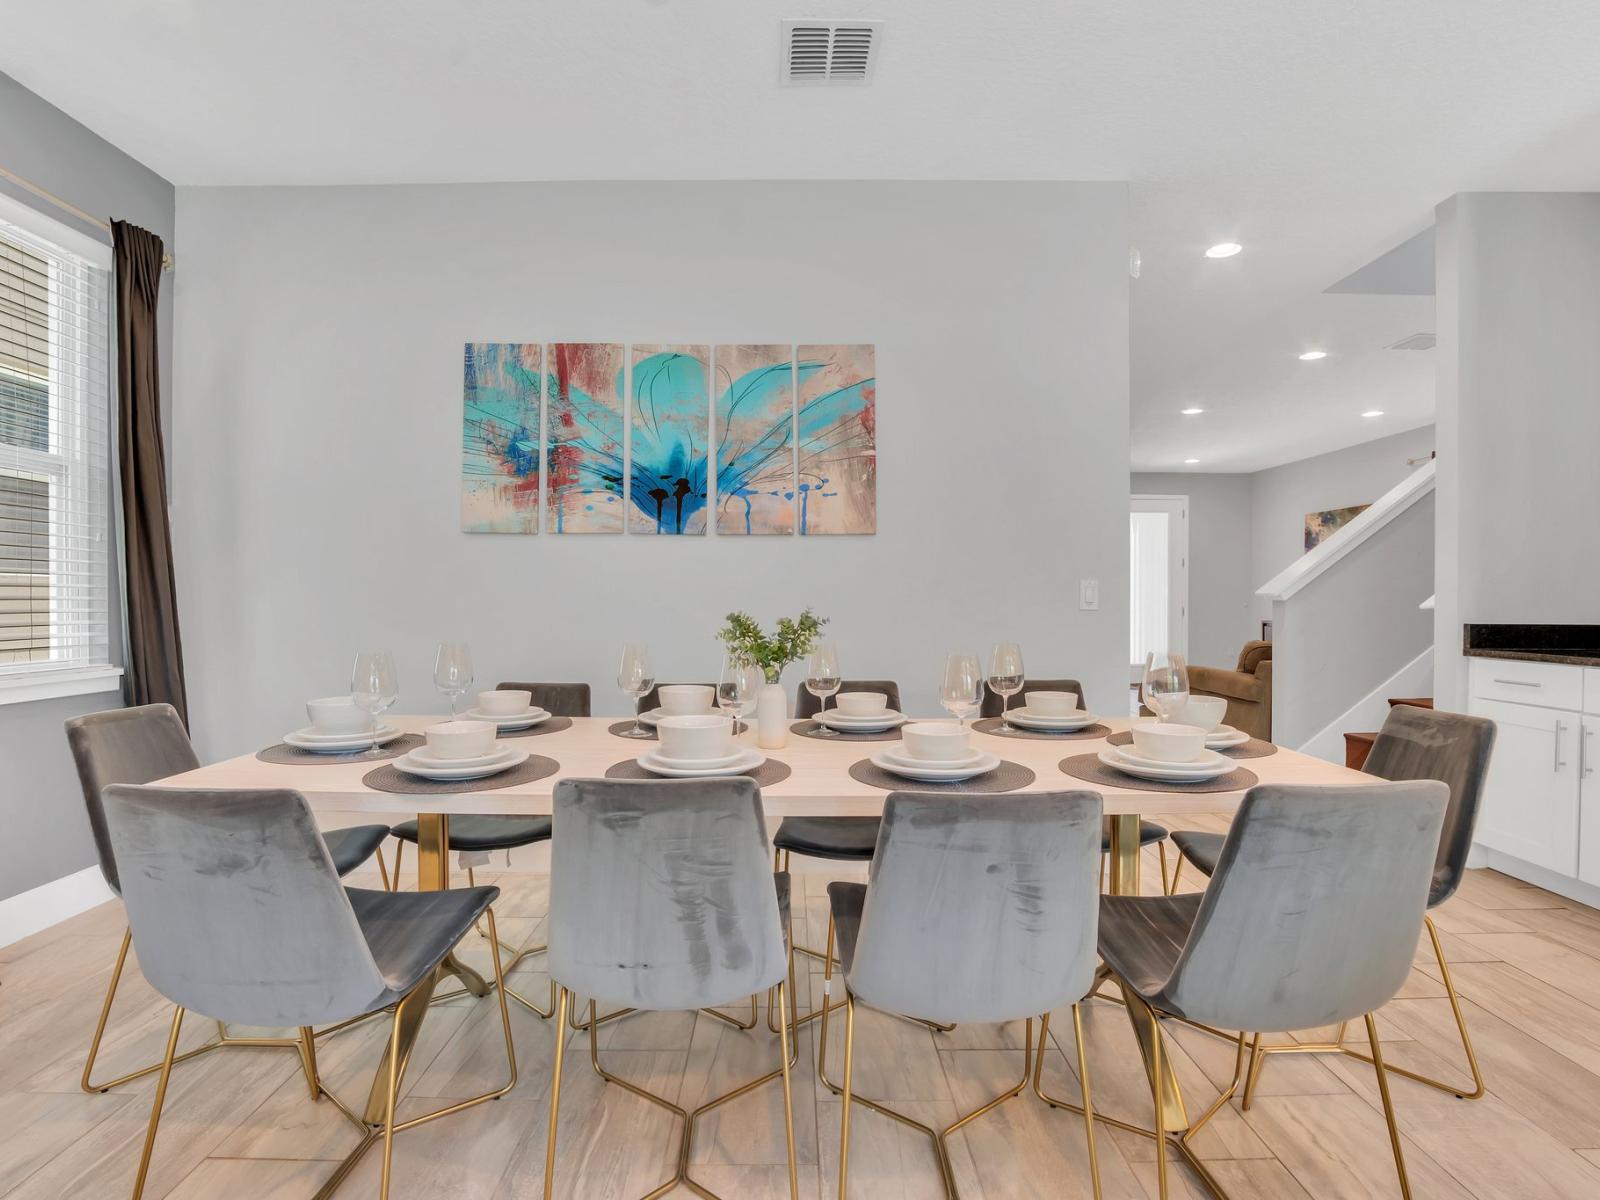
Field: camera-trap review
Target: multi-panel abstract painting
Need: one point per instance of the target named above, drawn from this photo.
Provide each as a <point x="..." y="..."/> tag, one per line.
<point x="655" y="440"/>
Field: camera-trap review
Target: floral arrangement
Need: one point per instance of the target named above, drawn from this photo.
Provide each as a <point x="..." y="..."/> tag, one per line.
<point x="792" y="641"/>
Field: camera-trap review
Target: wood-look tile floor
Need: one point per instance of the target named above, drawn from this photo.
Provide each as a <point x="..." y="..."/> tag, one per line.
<point x="239" y="1124"/>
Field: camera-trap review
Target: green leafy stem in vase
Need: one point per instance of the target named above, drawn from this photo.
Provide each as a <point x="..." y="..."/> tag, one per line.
<point x="792" y="641"/>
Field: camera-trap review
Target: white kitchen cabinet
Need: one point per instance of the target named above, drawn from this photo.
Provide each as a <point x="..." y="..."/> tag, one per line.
<point x="1531" y="801"/>
<point x="1589" y="794"/>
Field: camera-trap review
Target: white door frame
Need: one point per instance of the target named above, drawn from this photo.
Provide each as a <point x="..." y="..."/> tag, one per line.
<point x="1177" y="510"/>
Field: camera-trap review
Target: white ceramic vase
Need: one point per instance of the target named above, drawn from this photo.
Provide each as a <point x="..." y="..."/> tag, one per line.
<point x="772" y="717"/>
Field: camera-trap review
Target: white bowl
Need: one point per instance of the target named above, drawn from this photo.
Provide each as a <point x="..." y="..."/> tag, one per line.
<point x="337" y="714"/>
<point x="861" y="704"/>
<point x="933" y="741"/>
<point x="1204" y="711"/>
<point x="695" y="737"/>
<point x="1051" y="704"/>
<point x="460" y="739"/>
<point x="1170" y="743"/>
<point x="686" y="699"/>
<point x="504" y="704"/>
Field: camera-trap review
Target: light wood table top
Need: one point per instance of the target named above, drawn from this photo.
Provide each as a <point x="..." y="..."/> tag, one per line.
<point x="820" y="784"/>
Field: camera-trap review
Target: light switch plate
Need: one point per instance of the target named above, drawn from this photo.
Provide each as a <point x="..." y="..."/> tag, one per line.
<point x="1089" y="595"/>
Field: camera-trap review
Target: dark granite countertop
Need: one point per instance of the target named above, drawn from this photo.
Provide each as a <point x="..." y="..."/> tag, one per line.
<point x="1575" y="645"/>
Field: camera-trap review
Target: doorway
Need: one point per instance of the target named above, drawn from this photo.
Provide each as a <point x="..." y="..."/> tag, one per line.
<point x="1158" y="584"/>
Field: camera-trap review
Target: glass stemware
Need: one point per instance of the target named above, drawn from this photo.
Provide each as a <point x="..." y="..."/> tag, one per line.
<point x="736" y="691"/>
<point x="374" y="686"/>
<point x="1166" y="684"/>
<point x="1005" y="676"/>
<point x="961" y="687"/>
<point x="452" y="671"/>
<point x="635" y="678"/>
<point x="822" y="680"/>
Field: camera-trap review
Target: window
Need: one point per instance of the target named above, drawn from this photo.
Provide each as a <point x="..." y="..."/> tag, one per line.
<point x="54" y="462"/>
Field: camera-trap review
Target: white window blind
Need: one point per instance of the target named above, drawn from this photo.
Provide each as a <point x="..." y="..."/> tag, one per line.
<point x="54" y="464"/>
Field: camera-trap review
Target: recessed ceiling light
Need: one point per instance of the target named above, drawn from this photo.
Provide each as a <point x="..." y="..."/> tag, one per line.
<point x="1191" y="412"/>
<point x="1373" y="412"/>
<point x="1224" y="250"/>
<point x="1313" y="355"/>
<point x="1189" y="462"/>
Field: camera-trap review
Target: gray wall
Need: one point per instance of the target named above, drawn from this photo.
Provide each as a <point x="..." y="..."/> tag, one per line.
<point x="1519" y="416"/>
<point x="1221" y="581"/>
<point x="41" y="810"/>
<point x="319" y="410"/>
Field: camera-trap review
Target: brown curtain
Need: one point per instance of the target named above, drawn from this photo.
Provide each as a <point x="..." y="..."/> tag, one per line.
<point x="154" y="651"/>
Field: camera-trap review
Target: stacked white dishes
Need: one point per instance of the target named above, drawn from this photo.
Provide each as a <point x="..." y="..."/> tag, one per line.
<point x="1169" y="753"/>
<point x="508" y="710"/>
<point x="1050" y="712"/>
<point x="459" y="750"/>
<point x="697" y="746"/>
<point x="935" y="752"/>
<point x="338" y="727"/>
<point x="1206" y="712"/>
<point x="681" y="700"/>
<point x="861" y="712"/>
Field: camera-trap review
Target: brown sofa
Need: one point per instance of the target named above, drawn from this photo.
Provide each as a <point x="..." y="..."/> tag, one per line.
<point x="1247" y="689"/>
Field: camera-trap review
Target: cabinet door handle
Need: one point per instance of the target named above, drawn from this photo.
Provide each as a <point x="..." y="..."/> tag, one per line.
<point x="1583" y="751"/>
<point x="1518" y="683"/>
<point x="1560" y="729"/>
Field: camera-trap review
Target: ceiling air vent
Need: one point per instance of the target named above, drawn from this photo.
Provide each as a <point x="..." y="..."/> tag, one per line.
<point x="1417" y="341"/>
<point x="822" y="51"/>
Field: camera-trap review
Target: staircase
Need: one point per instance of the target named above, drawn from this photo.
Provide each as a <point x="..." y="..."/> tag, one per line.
<point x="1358" y="745"/>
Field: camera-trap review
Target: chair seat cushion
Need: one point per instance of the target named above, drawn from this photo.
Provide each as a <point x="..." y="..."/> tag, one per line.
<point x="845" y="902"/>
<point x="1149" y="833"/>
<point x="481" y="832"/>
<point x="1201" y="849"/>
<point x="846" y="838"/>
<point x="411" y="932"/>
<point x="1141" y="937"/>
<point x="349" y="848"/>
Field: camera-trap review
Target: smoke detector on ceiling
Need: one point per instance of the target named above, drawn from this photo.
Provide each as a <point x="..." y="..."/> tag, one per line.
<point x="1417" y="341"/>
<point x="818" y="50"/>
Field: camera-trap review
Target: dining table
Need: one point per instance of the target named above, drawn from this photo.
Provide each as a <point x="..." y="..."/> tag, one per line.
<point x="819" y="783"/>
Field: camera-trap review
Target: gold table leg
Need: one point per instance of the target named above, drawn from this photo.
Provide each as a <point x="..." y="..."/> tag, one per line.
<point x="1125" y="882"/>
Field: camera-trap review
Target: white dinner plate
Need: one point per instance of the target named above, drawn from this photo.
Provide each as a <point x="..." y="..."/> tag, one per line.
<point x="1207" y="760"/>
<point x="1224" y="736"/>
<point x="737" y="754"/>
<point x="424" y="757"/>
<point x="745" y="760"/>
<point x="1024" y="719"/>
<point x="889" y="719"/>
<point x="655" y="714"/>
<point x="522" y="720"/>
<point x="310" y="734"/>
<point x="344" y="744"/>
<point x="508" y="758"/>
<point x="927" y="774"/>
<point x="1170" y="772"/>
<point x="900" y="758"/>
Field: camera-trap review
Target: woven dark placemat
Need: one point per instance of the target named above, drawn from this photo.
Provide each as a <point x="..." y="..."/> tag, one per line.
<point x="808" y="729"/>
<point x="393" y="779"/>
<point x="553" y="725"/>
<point x="1007" y="777"/>
<point x="768" y="773"/>
<point x="1254" y="748"/>
<point x="621" y="728"/>
<point x="1088" y="767"/>
<point x="991" y="725"/>
<point x="287" y="755"/>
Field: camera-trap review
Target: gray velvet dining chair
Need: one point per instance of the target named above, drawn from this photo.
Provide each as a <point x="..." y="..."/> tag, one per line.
<point x="661" y="900"/>
<point x="1414" y="743"/>
<point x="140" y="745"/>
<point x="978" y="910"/>
<point x="238" y="913"/>
<point x="483" y="833"/>
<point x="1311" y="919"/>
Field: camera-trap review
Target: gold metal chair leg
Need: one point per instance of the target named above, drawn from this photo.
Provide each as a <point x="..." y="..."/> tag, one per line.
<point x="383" y="871"/>
<point x="1087" y="1108"/>
<point x="1161" y="849"/>
<point x="1177" y="869"/>
<point x="1388" y="1107"/>
<point x="1156" y="1073"/>
<point x="849" y="1068"/>
<point x="399" y="853"/>
<point x="308" y="1060"/>
<point x="562" y="1006"/>
<point x="156" y="1103"/>
<point x="391" y="1098"/>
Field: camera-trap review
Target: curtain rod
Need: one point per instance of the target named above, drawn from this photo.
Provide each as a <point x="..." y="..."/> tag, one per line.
<point x="65" y="206"/>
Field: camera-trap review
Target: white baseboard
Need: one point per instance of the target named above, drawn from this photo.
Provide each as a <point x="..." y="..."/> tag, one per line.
<point x="51" y="903"/>
<point x="1550" y="881"/>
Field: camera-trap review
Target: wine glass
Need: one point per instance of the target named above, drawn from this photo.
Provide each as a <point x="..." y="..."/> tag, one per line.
<point x="635" y="678"/>
<point x="736" y="691"/>
<point x="452" y="671"/>
<point x="1005" y="676"/>
<point x="1166" y="684"/>
<point x="374" y="686"/>
<point x="961" y="688"/>
<point x="822" y="680"/>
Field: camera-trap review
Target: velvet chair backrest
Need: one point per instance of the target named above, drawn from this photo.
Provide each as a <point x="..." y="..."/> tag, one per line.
<point x="992" y="702"/>
<point x="807" y="706"/>
<point x="558" y="699"/>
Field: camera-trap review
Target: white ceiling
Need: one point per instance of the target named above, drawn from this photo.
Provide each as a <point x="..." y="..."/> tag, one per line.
<point x="1318" y="134"/>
